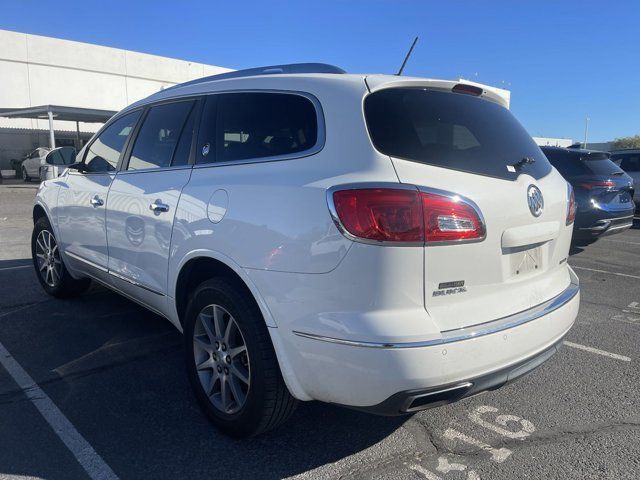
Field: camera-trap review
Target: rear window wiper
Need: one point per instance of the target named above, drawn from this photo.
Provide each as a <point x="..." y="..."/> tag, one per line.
<point x="617" y="173"/>
<point x="521" y="163"/>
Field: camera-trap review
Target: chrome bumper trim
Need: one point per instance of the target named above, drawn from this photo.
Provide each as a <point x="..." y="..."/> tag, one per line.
<point x="474" y="331"/>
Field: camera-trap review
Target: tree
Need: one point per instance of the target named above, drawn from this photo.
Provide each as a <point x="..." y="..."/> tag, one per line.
<point x="626" y="142"/>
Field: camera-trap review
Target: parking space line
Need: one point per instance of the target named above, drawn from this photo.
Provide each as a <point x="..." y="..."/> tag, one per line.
<point x="84" y="453"/>
<point x="606" y="271"/>
<point x="15" y="268"/>
<point x="620" y="241"/>
<point x="597" y="351"/>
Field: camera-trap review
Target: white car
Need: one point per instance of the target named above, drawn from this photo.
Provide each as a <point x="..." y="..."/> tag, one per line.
<point x="32" y="164"/>
<point x="381" y="242"/>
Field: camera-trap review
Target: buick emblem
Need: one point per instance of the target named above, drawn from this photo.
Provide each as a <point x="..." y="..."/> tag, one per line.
<point x="535" y="200"/>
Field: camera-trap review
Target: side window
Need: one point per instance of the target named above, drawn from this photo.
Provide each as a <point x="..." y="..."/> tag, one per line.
<point x="257" y="125"/>
<point x="104" y="152"/>
<point x="159" y="136"/>
<point x="630" y="163"/>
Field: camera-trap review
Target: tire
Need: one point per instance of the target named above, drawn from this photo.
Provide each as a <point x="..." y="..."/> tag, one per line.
<point x="25" y="175"/>
<point x="265" y="402"/>
<point x="50" y="269"/>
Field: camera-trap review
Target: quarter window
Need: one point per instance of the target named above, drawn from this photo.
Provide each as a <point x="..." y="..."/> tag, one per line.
<point x="104" y="152"/>
<point x="256" y="125"/>
<point x="164" y="132"/>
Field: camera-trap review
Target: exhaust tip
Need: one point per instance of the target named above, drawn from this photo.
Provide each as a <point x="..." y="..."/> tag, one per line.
<point x="437" y="397"/>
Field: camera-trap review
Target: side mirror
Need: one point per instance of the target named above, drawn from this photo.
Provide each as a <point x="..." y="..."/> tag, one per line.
<point x="62" y="156"/>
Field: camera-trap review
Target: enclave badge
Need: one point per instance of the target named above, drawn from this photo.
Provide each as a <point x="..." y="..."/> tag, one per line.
<point x="535" y="200"/>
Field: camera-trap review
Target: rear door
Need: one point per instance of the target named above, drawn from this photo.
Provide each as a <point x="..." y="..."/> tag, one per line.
<point x="143" y="198"/>
<point x="476" y="150"/>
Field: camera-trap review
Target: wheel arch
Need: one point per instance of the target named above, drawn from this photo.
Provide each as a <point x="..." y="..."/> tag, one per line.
<point x="39" y="212"/>
<point x="201" y="266"/>
<point x="204" y="264"/>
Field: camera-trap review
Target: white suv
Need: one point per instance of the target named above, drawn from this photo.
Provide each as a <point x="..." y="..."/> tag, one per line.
<point x="380" y="242"/>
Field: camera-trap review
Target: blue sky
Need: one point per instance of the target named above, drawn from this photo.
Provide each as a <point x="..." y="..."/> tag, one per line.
<point x="562" y="60"/>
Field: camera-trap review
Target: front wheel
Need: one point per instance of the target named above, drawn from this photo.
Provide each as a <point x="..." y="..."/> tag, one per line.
<point x="52" y="273"/>
<point x="25" y="175"/>
<point x="231" y="362"/>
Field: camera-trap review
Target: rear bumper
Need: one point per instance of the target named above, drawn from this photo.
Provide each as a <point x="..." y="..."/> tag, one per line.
<point x="599" y="223"/>
<point x="396" y="378"/>
<point x="415" y="400"/>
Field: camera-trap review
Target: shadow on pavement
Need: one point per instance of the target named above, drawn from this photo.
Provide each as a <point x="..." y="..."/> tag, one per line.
<point x="116" y="371"/>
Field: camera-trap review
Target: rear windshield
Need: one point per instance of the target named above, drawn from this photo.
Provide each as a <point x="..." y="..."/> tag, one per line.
<point x="602" y="167"/>
<point x="451" y="130"/>
<point x="570" y="164"/>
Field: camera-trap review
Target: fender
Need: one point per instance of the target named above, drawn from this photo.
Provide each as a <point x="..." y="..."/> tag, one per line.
<point x="229" y="262"/>
<point x="288" y="374"/>
<point x="51" y="192"/>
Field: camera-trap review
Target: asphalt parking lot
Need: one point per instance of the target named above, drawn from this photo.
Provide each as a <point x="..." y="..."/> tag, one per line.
<point x="114" y="372"/>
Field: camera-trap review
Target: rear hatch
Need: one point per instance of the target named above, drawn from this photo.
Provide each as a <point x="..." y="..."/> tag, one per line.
<point x="595" y="178"/>
<point x="475" y="148"/>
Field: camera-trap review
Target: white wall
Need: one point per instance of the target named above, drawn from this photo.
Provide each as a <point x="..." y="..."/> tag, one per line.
<point x="36" y="70"/>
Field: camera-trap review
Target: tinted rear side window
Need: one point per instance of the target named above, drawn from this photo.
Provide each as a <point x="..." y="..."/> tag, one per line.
<point x="159" y="135"/>
<point x="256" y="125"/>
<point x="451" y="130"/>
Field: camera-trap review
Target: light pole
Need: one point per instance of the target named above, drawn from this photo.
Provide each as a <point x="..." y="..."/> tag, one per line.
<point x="586" y="130"/>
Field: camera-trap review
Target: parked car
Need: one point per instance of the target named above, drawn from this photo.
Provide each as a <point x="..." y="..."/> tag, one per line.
<point x="380" y="242"/>
<point x="32" y="163"/>
<point x="629" y="161"/>
<point x="604" y="193"/>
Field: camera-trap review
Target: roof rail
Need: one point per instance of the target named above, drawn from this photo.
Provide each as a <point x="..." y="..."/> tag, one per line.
<point x="270" y="70"/>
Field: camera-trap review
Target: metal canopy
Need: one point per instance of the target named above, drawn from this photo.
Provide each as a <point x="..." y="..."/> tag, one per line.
<point x="73" y="114"/>
<point x="57" y="112"/>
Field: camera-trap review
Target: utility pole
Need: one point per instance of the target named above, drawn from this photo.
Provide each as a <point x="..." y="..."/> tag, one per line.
<point x="586" y="130"/>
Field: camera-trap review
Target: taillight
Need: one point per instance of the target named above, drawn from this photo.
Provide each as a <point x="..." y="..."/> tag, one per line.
<point x="449" y="218"/>
<point x="406" y="216"/>
<point x="597" y="184"/>
<point x="384" y="215"/>
<point x="571" y="205"/>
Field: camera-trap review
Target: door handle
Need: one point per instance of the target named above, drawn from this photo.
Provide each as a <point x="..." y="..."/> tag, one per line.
<point x="96" y="201"/>
<point x="158" y="207"/>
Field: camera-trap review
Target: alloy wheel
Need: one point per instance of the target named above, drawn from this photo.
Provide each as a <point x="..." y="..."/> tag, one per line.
<point x="48" y="258"/>
<point x="222" y="359"/>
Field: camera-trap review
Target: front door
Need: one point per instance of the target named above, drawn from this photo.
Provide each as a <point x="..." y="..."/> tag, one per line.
<point x="83" y="197"/>
<point x="143" y="199"/>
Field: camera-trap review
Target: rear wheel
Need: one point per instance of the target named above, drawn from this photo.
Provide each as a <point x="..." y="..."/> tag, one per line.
<point x="52" y="273"/>
<point x="231" y="362"/>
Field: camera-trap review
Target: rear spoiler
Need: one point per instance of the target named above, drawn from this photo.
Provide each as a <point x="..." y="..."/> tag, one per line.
<point x="375" y="83"/>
